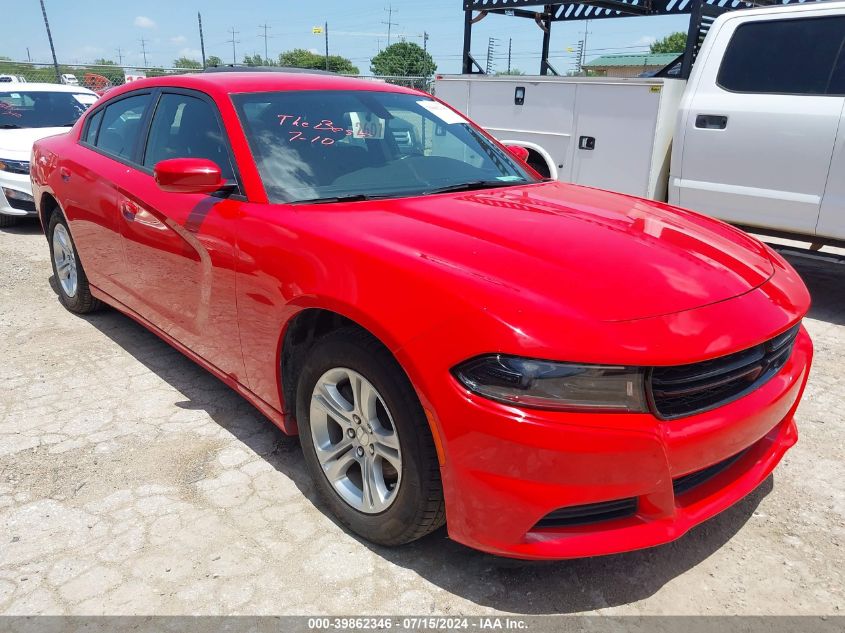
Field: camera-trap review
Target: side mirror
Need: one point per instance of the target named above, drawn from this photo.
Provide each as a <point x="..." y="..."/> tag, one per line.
<point x="188" y="175"/>
<point x="518" y="152"/>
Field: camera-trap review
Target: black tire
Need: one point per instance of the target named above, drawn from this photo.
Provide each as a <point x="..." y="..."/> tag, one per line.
<point x="8" y="220"/>
<point x="418" y="507"/>
<point x="83" y="301"/>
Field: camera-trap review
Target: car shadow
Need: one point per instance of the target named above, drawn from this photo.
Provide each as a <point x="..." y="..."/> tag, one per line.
<point x="510" y="585"/>
<point x="24" y="226"/>
<point x="824" y="275"/>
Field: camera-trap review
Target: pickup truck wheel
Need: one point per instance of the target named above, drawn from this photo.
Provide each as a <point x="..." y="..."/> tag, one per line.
<point x="71" y="281"/>
<point x="7" y="220"/>
<point x="366" y="440"/>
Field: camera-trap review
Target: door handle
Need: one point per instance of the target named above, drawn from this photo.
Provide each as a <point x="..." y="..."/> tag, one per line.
<point x="128" y="209"/>
<point x="64" y="172"/>
<point x="711" y="121"/>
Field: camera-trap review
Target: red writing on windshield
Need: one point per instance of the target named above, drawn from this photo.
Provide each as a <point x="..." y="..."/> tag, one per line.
<point x="324" y="125"/>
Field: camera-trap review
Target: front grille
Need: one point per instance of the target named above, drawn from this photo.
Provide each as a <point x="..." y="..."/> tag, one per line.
<point x="590" y="513"/>
<point x="692" y="480"/>
<point x="22" y="205"/>
<point x="684" y="390"/>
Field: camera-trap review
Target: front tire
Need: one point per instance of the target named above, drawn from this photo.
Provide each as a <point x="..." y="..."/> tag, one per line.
<point x="71" y="281"/>
<point x="366" y="440"/>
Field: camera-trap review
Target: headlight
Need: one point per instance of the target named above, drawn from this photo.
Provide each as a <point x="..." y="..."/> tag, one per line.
<point x="14" y="166"/>
<point x="544" y="384"/>
<point x="14" y="194"/>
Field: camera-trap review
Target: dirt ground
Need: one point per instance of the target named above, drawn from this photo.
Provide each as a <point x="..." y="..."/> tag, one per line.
<point x="133" y="482"/>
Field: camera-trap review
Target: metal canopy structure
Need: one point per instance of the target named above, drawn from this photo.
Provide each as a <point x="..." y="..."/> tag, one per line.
<point x="702" y="14"/>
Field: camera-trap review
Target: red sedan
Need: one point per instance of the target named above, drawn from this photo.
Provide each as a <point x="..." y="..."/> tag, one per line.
<point x="554" y="371"/>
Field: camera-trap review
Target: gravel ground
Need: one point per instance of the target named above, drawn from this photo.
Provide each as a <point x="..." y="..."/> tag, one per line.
<point x="132" y="482"/>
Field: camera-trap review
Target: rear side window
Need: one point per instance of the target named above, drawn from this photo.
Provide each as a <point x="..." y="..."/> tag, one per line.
<point x="186" y="127"/>
<point x="92" y="125"/>
<point x="121" y="126"/>
<point x="795" y="57"/>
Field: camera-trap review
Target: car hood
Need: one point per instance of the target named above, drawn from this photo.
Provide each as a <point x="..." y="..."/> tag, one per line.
<point x="17" y="144"/>
<point x="602" y="255"/>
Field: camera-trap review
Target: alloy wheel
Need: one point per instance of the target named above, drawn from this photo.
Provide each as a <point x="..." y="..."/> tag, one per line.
<point x="64" y="258"/>
<point x="355" y="440"/>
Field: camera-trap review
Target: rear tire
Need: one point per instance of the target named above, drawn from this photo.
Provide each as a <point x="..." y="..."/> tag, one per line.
<point x="71" y="280"/>
<point x="7" y="220"/>
<point x="410" y="504"/>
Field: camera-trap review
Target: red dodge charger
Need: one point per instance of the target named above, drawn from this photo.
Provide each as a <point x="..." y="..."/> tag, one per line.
<point x="553" y="371"/>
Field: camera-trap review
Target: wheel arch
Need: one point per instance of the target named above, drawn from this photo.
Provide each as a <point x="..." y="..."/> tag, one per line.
<point x="539" y="155"/>
<point x="47" y="206"/>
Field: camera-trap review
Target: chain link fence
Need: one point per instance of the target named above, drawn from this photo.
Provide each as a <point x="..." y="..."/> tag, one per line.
<point x="99" y="77"/>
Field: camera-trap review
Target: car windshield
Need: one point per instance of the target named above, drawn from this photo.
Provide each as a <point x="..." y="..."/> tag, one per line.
<point x="322" y="146"/>
<point x="23" y="109"/>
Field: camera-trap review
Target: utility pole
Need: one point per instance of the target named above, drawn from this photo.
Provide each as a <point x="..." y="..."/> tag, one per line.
<point x="326" y="31"/>
<point x="265" y="26"/>
<point x="579" y="57"/>
<point x="144" y="49"/>
<point x="491" y="49"/>
<point x="202" y="40"/>
<point x="510" y="45"/>
<point x="28" y="58"/>
<point x="584" y="49"/>
<point x="389" y="22"/>
<point x="425" y="41"/>
<point x="120" y="57"/>
<point x="50" y="37"/>
<point x="234" y="41"/>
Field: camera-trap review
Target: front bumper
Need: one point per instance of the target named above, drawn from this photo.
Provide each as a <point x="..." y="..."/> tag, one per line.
<point x="13" y="206"/>
<point x="511" y="467"/>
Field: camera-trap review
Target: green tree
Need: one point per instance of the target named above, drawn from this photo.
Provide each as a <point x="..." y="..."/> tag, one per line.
<point x="213" y="60"/>
<point x="513" y="71"/>
<point x="186" y="62"/>
<point x="104" y="62"/>
<point x="405" y="59"/>
<point x="258" y="60"/>
<point x="672" y="43"/>
<point x="301" y="58"/>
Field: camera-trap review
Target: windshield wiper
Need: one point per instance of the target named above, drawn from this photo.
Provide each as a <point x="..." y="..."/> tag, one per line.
<point x="353" y="197"/>
<point x="474" y="184"/>
<point x="9" y="126"/>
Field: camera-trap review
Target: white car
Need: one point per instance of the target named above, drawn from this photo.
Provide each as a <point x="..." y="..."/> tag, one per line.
<point x="12" y="79"/>
<point x="70" y="80"/>
<point x="29" y="112"/>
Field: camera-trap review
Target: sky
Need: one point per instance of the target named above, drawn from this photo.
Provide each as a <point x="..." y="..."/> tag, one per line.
<point x="84" y="30"/>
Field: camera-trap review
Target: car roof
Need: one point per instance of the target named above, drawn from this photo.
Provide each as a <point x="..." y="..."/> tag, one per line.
<point x="222" y="84"/>
<point x="43" y="87"/>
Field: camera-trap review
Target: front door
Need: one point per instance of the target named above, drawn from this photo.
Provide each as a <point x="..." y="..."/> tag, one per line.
<point x="180" y="248"/>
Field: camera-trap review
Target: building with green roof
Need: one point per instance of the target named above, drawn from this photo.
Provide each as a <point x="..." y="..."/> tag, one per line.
<point x="629" y="64"/>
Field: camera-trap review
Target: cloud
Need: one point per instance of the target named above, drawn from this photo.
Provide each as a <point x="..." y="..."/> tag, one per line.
<point x="179" y="39"/>
<point x="645" y="40"/>
<point x="144" y="22"/>
<point x="191" y="53"/>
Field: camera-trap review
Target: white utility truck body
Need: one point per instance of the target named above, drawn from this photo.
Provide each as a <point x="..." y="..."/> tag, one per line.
<point x="755" y="137"/>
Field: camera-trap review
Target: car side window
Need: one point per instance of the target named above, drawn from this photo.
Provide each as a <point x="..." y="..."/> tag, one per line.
<point x="794" y="57"/>
<point x="120" y="126"/>
<point x="187" y="127"/>
<point x="92" y="126"/>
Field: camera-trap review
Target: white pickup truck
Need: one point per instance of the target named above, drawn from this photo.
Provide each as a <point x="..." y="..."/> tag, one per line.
<point x="755" y="137"/>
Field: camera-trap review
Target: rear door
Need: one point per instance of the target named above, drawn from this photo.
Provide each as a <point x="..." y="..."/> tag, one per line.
<point x="180" y="247"/>
<point x="760" y="127"/>
<point x="90" y="176"/>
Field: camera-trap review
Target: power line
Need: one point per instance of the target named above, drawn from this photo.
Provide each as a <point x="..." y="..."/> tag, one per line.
<point x="234" y="41"/>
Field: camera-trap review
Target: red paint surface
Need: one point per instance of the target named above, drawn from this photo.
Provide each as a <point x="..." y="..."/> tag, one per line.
<point x="544" y="270"/>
